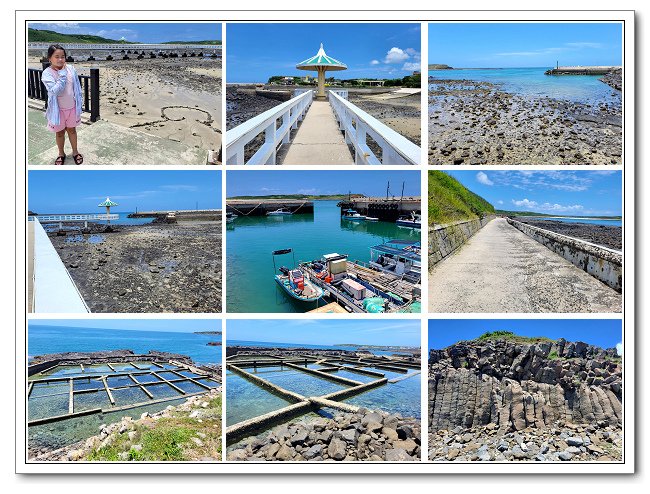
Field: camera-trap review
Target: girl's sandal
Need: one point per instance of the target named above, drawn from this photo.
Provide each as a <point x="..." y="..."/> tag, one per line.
<point x="78" y="159"/>
<point x="59" y="160"/>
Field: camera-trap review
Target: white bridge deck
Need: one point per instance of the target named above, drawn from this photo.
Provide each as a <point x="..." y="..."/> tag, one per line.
<point x="125" y="47"/>
<point x="332" y="132"/>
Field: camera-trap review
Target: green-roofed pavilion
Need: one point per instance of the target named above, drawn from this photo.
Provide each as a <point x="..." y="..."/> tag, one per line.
<point x="107" y="204"/>
<point x="321" y="62"/>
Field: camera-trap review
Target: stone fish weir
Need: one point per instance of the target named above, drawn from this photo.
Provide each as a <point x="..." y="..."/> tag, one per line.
<point x="505" y="400"/>
<point x="345" y="437"/>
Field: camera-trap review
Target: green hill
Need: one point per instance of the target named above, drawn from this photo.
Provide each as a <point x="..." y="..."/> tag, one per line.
<point x="46" y="36"/>
<point x="450" y="201"/>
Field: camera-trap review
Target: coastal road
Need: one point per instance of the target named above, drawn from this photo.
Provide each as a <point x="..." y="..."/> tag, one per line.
<point x="500" y="269"/>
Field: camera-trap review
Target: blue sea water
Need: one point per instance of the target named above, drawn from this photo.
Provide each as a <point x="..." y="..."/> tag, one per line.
<point x="531" y="82"/>
<point x="54" y="339"/>
<point x="265" y="344"/>
<point x="589" y="221"/>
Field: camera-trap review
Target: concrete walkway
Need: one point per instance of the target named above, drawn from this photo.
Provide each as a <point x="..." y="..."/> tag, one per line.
<point x="104" y="143"/>
<point x="318" y="140"/>
<point x="500" y="269"/>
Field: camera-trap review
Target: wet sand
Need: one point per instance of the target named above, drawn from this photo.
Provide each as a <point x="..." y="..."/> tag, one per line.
<point x="148" y="268"/>
<point x="476" y="123"/>
<point x="607" y="236"/>
<point x="178" y="99"/>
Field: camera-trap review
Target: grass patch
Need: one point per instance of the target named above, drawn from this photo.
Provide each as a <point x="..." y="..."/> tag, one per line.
<point x="449" y="200"/>
<point x="510" y="336"/>
<point x="553" y="355"/>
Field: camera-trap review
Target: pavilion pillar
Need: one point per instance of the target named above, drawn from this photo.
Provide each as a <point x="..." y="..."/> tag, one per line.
<point x="321" y="83"/>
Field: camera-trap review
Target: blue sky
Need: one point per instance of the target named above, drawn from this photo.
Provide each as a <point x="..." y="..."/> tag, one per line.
<point x="162" y="325"/>
<point x="139" y="32"/>
<point x="79" y="191"/>
<point x="370" y="183"/>
<point x="605" y="333"/>
<point x="326" y="332"/>
<point x="518" y="44"/>
<point x="579" y="193"/>
<point x="256" y="52"/>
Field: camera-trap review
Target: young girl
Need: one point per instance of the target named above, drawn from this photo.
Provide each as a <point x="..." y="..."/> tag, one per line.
<point x="63" y="102"/>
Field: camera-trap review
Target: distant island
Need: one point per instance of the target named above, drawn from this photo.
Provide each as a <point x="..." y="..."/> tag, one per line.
<point x="207" y="332"/>
<point x="214" y="343"/>
<point x="385" y="348"/>
<point x="439" y="66"/>
<point x="311" y="197"/>
<point x="47" y="36"/>
<point x="530" y="213"/>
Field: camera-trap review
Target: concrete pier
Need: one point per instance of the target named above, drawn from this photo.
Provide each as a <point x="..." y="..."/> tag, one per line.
<point x="385" y="209"/>
<point x="259" y="207"/>
<point x="582" y="70"/>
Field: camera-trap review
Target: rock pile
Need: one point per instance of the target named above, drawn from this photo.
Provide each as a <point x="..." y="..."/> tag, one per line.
<point x="482" y="391"/>
<point x="614" y="79"/>
<point x="362" y="436"/>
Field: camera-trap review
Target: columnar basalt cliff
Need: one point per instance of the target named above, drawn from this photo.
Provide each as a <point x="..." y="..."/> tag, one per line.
<point x="509" y="387"/>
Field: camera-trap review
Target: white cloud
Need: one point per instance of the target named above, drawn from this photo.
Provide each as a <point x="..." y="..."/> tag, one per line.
<point x="55" y="25"/>
<point x="547" y="206"/>
<point x="499" y="201"/>
<point x="308" y="191"/>
<point x="619" y="349"/>
<point x="482" y="178"/>
<point x="396" y="55"/>
<point x="585" y="44"/>
<point x="375" y="62"/>
<point x="412" y="66"/>
<point x="128" y="34"/>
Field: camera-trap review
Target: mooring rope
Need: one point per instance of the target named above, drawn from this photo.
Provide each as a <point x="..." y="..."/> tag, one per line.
<point x="246" y="214"/>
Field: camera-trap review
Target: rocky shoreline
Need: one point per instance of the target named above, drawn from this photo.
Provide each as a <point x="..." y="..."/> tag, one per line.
<point x="127" y="435"/>
<point x="477" y="123"/>
<point x="607" y="236"/>
<point x="363" y="436"/>
<point x="148" y="268"/>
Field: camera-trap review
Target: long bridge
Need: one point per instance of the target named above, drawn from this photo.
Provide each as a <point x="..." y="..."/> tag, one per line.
<point x="122" y="46"/>
<point x="312" y="131"/>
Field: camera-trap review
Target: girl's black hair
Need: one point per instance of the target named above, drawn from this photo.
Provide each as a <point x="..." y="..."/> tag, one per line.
<point x="53" y="48"/>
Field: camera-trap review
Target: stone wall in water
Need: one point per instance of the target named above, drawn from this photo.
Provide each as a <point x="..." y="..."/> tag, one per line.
<point x="516" y="385"/>
<point x="445" y="239"/>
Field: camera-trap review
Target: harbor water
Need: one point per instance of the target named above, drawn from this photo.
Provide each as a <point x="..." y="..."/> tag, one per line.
<point x="531" y="82"/>
<point x="250" y="240"/>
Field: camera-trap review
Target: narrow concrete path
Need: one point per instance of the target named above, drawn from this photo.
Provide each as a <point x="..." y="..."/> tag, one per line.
<point x="318" y="140"/>
<point x="500" y="269"/>
<point x="105" y="143"/>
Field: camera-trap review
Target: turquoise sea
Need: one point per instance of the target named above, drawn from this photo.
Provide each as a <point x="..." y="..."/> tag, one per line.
<point x="250" y="282"/>
<point x="56" y="339"/>
<point x="531" y="82"/>
<point x="268" y="344"/>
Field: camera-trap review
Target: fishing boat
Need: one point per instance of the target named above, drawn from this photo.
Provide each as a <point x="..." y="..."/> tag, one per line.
<point x="279" y="212"/>
<point x="353" y="215"/>
<point x="412" y="221"/>
<point x="399" y="257"/>
<point x="294" y="282"/>
<point x="230" y="217"/>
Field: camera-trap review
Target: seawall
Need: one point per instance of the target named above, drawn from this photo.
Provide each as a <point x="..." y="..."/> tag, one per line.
<point x="445" y="239"/>
<point x="602" y="263"/>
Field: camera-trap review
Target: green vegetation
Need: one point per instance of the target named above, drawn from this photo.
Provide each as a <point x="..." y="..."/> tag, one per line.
<point x="439" y="66"/>
<point x="408" y="81"/>
<point x="450" y="201"/>
<point x="46" y="36"/>
<point x="553" y="355"/>
<point x="510" y="336"/>
<point x="311" y="197"/>
<point x="174" y="438"/>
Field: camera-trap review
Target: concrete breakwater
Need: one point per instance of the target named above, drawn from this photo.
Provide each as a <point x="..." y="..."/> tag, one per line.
<point x="364" y="435"/>
<point x="445" y="239"/>
<point x="547" y="401"/>
<point x="602" y="263"/>
<point x="384" y="209"/>
<point x="260" y="207"/>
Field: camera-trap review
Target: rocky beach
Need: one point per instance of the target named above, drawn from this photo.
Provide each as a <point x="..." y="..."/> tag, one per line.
<point x="174" y="98"/>
<point x="607" y="236"/>
<point x="509" y="398"/>
<point x="363" y="436"/>
<point x="478" y="123"/>
<point x="154" y="267"/>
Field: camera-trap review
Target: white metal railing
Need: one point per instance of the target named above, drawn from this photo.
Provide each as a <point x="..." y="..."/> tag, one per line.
<point x="54" y="290"/>
<point x="343" y="93"/>
<point x="77" y="217"/>
<point x="287" y="114"/>
<point x="132" y="47"/>
<point x="357" y="125"/>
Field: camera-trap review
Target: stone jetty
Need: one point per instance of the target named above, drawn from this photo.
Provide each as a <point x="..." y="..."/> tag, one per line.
<point x="362" y="436"/>
<point x="512" y="399"/>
